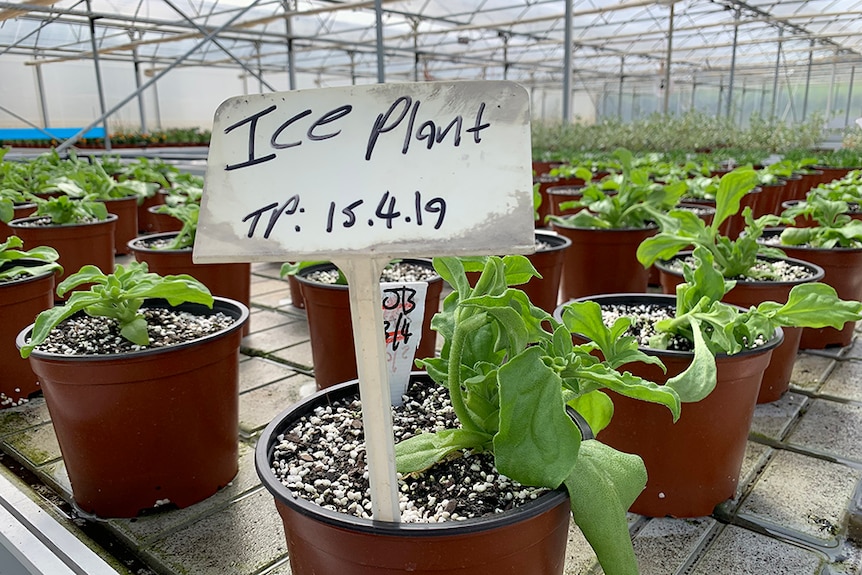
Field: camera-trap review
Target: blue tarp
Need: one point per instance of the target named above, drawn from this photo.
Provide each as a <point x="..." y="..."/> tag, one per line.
<point x="59" y="133"/>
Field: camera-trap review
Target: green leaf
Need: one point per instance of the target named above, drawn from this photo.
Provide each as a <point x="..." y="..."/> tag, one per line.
<point x="595" y="407"/>
<point x="813" y="305"/>
<point x="731" y="188"/>
<point x="699" y="378"/>
<point x="420" y="452"/>
<point x="602" y="487"/>
<point x="136" y="331"/>
<point x="519" y="270"/>
<point x="452" y="271"/>
<point x="632" y="386"/>
<point x="537" y="443"/>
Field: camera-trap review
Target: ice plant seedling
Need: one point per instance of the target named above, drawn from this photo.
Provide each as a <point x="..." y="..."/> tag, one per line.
<point x="120" y="296"/>
<point x="681" y="229"/>
<point x="9" y="254"/>
<point x="510" y="379"/>
<point x="717" y="327"/>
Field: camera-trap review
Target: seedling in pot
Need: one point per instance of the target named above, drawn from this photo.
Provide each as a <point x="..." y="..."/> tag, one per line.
<point x="118" y="295"/>
<point x="714" y="327"/>
<point x="187" y="213"/>
<point x="681" y="229"/>
<point x="835" y="228"/>
<point x="510" y="378"/>
<point x="9" y="254"/>
<point x="625" y="201"/>
<point x="65" y="210"/>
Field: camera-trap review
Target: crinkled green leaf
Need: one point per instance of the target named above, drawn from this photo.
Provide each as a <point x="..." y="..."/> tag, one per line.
<point x="601" y="489"/>
<point x="537" y="443"/>
<point x="420" y="452"/>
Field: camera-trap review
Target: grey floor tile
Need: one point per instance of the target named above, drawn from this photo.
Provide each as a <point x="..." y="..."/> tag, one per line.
<point x="810" y="371"/>
<point x="243" y="539"/>
<point x="771" y="420"/>
<point x="267" y="286"/>
<point x="259" y="406"/>
<point x="737" y="551"/>
<point x="14" y="419"/>
<point x="37" y="445"/>
<point x="277" y="338"/>
<point x="804" y="495"/>
<point x="845" y="381"/>
<point x="580" y="557"/>
<point x="298" y="355"/>
<point x="141" y="531"/>
<point x="257" y="371"/>
<point x="263" y="319"/>
<point x="830" y="427"/>
<point x="664" y="545"/>
<point x="277" y="299"/>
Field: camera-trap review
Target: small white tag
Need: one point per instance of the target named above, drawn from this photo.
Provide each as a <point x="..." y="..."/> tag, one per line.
<point x="403" y="310"/>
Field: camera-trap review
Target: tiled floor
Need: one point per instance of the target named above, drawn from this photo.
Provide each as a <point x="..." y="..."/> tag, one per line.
<point x="798" y="499"/>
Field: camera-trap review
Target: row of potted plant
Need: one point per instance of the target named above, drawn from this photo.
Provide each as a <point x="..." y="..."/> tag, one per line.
<point x="124" y="138"/>
<point x="511" y="369"/>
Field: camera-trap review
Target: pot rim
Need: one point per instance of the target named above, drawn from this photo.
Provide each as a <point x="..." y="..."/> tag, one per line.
<point x="264" y="448"/>
<point x="818" y="272"/>
<point x="560" y="241"/>
<point x="670" y="300"/>
<point x="776" y="231"/>
<point x="234" y="308"/>
<point x="136" y="243"/>
<point x="28" y="263"/>
<point x="21" y="222"/>
<point x="649" y="227"/>
<point x="300" y="275"/>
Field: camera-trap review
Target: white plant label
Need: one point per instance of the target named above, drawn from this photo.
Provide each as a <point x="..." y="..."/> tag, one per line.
<point x="361" y="175"/>
<point x="398" y="169"/>
<point x="403" y="310"/>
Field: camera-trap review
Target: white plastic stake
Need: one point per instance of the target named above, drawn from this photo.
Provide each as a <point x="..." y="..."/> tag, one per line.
<point x="363" y="277"/>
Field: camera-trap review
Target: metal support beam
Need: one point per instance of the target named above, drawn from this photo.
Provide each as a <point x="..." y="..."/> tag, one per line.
<point x="26" y="121"/>
<point x="40" y="87"/>
<point x="775" y="76"/>
<point x="807" y="81"/>
<point x="620" y="96"/>
<point x="831" y="89"/>
<point x="567" y="64"/>
<point x="291" y="56"/>
<point x="849" y="97"/>
<point x="666" y="79"/>
<point x="729" y="104"/>
<point x="71" y="141"/>
<point x="98" y="69"/>
<point x="141" y="107"/>
<point x="256" y="73"/>
<point x="381" y="64"/>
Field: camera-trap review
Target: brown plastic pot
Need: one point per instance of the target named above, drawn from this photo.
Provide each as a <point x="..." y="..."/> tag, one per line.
<point x="529" y="540"/>
<point x="230" y="280"/>
<point x="155" y="425"/>
<point x="843" y="271"/>
<point x="18" y="211"/>
<point x="327" y="308"/>
<point x="21" y="301"/>
<point x="749" y="293"/>
<point x="603" y="261"/>
<point x="544" y="292"/>
<point x="146" y="221"/>
<point x="77" y="244"/>
<point x="161" y="223"/>
<point x="693" y="464"/>
<point x="126" y="210"/>
<point x="560" y="194"/>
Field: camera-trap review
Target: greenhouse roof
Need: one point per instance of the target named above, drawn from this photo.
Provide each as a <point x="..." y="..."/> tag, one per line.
<point x="521" y="40"/>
